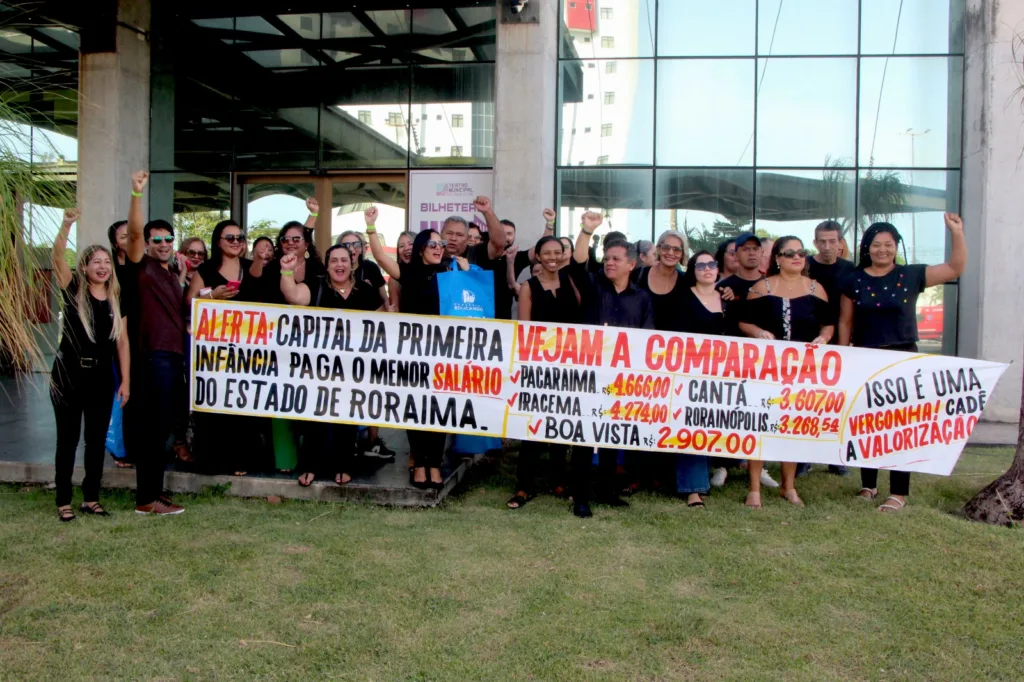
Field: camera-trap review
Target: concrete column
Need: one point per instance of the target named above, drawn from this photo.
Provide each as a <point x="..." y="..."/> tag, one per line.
<point x="113" y="122"/>
<point x="991" y="323"/>
<point x="525" y="136"/>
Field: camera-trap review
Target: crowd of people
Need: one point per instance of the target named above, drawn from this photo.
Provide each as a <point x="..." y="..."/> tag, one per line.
<point x="125" y="329"/>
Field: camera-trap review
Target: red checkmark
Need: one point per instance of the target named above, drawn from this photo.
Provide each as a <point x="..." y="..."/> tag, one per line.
<point x="514" y="378"/>
<point x="512" y="400"/>
<point x="534" y="428"/>
<point x="679" y="389"/>
<point x="675" y="415"/>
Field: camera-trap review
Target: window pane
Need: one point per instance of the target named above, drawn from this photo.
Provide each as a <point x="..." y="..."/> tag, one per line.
<point x="708" y="205"/>
<point x="918" y="122"/>
<point x="706" y="112"/>
<point x="806" y="111"/>
<point x="622" y="195"/>
<point x="194" y="203"/>
<point x="587" y="35"/>
<point x="914" y="202"/>
<point x="369" y="122"/>
<point x="584" y="114"/>
<point x="466" y="90"/>
<point x="700" y="28"/>
<point x="806" y="27"/>
<point x="914" y="26"/>
<point x="794" y="202"/>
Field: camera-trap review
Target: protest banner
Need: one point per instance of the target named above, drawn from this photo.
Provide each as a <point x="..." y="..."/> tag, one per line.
<point x="590" y="386"/>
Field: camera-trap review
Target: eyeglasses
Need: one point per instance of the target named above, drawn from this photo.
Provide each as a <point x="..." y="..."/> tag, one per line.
<point x="435" y="244"/>
<point x="668" y="248"/>
<point x="352" y="245"/>
<point x="790" y="253"/>
<point x="706" y="265"/>
<point x="232" y="238"/>
<point x="192" y="253"/>
<point x="296" y="239"/>
<point x="165" y="240"/>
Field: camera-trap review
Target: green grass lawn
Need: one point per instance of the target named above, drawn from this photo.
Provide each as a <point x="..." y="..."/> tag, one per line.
<point x="242" y="589"/>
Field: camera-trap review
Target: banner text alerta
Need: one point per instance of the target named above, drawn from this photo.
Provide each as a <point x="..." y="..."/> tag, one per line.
<point x="590" y="386"/>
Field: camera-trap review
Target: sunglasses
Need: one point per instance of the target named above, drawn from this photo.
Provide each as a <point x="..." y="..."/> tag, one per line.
<point x="707" y="265"/>
<point x="668" y="248"/>
<point x="352" y="245"/>
<point x="164" y="240"/>
<point x="296" y="239"/>
<point x="232" y="238"/>
<point x="790" y="253"/>
<point x="192" y="253"/>
<point x="435" y="244"/>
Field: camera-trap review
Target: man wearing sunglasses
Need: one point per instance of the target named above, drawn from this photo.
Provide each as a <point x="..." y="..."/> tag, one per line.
<point x="162" y="343"/>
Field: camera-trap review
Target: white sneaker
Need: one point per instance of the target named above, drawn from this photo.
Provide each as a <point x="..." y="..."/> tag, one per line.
<point x="767" y="480"/>
<point x="718" y="477"/>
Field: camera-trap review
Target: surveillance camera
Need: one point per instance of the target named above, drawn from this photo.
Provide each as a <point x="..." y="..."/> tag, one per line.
<point x="517" y="6"/>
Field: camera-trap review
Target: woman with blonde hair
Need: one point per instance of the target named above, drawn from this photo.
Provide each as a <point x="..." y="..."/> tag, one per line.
<point x="93" y="338"/>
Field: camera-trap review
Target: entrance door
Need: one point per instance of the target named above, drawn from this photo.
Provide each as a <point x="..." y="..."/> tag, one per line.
<point x="267" y="202"/>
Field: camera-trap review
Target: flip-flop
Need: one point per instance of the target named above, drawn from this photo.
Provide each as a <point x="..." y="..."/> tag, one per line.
<point x="312" y="477"/>
<point x="337" y="478"/>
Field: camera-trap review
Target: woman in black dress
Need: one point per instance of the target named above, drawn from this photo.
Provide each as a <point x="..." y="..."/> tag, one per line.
<point x="789" y="306"/>
<point x="879" y="310"/>
<point x="549" y="296"/>
<point x="82" y="381"/>
<point x="323" y="443"/>
<point x="420" y="296"/>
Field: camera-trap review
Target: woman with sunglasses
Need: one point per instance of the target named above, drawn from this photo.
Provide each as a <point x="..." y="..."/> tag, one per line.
<point x="327" y="448"/>
<point x="263" y="250"/>
<point x="82" y="381"/>
<point x="227" y="275"/>
<point x="789" y="306"/>
<point x="365" y="270"/>
<point x="725" y="256"/>
<point x="548" y="296"/>
<point x="194" y="251"/>
<point x="419" y="297"/>
<point x="403" y="253"/>
<point x="879" y="310"/>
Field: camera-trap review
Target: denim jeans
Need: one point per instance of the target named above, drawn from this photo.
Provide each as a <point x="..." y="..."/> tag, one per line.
<point x="692" y="474"/>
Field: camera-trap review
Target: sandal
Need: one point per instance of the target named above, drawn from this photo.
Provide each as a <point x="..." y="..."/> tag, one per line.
<point x="65" y="514"/>
<point x="342" y="478"/>
<point x="752" y="501"/>
<point x="421" y="485"/>
<point x="306" y="479"/>
<point x="891" y="504"/>
<point x="695" y="504"/>
<point x="240" y="473"/>
<point x="121" y="464"/>
<point x="793" y="498"/>
<point x="519" y="500"/>
<point x="871" y="493"/>
<point x="94" y="508"/>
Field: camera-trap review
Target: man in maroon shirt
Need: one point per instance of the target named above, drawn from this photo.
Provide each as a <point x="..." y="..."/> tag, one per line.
<point x="161" y="304"/>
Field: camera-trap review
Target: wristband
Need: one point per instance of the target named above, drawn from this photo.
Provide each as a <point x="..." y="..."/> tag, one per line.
<point x="315" y="215"/>
<point x="287" y="273"/>
<point x="203" y="293"/>
<point x="589" y="233"/>
<point x="371" y="229"/>
<point x="136" y="194"/>
<point x="549" y="226"/>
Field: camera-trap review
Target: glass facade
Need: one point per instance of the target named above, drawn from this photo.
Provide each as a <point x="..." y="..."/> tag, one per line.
<point x="766" y="115"/>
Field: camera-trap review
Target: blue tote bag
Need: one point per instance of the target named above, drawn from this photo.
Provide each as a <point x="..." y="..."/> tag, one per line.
<point x="469" y="293"/>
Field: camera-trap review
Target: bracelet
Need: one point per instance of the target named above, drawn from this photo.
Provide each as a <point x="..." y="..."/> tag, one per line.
<point x="208" y="291"/>
<point x="315" y="215"/>
<point x="549" y="226"/>
<point x="287" y="273"/>
<point x="371" y="229"/>
<point x="136" y="194"/>
<point x="589" y="234"/>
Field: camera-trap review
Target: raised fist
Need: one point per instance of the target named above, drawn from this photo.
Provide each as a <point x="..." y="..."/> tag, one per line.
<point x="313" y="205"/>
<point x="139" y="180"/>
<point x="370" y="215"/>
<point x="954" y="223"/>
<point x="549" y="215"/>
<point x="592" y="220"/>
<point x="482" y="204"/>
<point x="71" y="215"/>
<point x="289" y="261"/>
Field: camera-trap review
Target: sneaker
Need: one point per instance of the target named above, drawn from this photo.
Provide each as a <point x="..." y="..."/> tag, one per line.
<point x="379" y="450"/>
<point x="767" y="480"/>
<point x="160" y="508"/>
<point x="802" y="469"/>
<point x="582" y="510"/>
<point x="718" y="477"/>
<point x="838" y="470"/>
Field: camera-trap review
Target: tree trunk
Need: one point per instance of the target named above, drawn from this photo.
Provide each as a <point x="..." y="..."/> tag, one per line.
<point x="1001" y="503"/>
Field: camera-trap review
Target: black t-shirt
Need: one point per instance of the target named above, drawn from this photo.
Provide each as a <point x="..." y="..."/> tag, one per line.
<point x="831" y="278"/>
<point x="248" y="290"/>
<point x="74" y="342"/>
<point x="560" y="305"/>
<point x="362" y="297"/>
<point x="734" y="308"/>
<point x="695" y="318"/>
<point x="667" y="307"/>
<point x="885" y="308"/>
<point x="269" y="290"/>
<point x="419" y="289"/>
<point x="502" y="293"/>
<point x="370" y="273"/>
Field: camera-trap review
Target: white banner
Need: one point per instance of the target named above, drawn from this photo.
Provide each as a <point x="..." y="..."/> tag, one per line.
<point x="436" y="195"/>
<point x="590" y="386"/>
